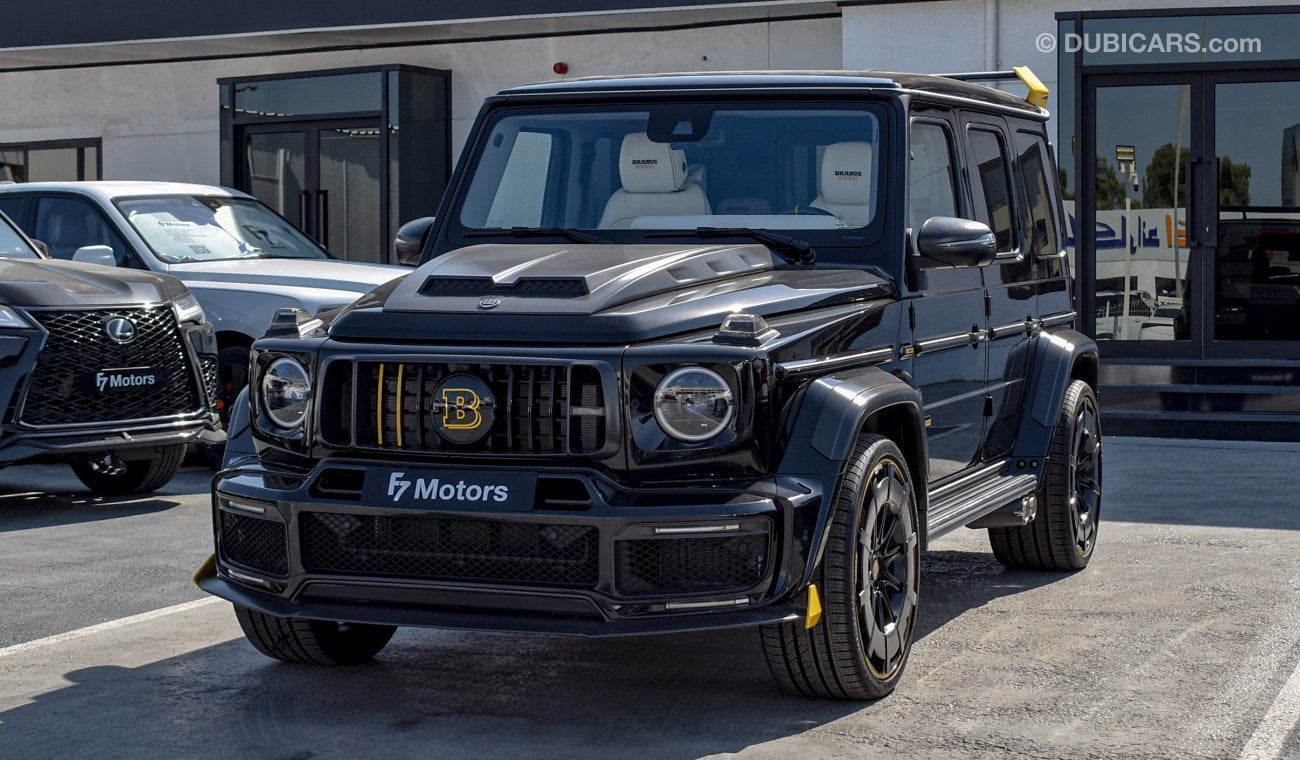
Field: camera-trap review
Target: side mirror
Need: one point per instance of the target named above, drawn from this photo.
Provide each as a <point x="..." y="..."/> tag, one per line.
<point x="95" y="254"/>
<point x="411" y="238"/>
<point x="945" y="241"/>
<point x="41" y="246"/>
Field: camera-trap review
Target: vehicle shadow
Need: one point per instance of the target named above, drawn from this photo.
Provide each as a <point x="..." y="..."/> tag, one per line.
<point x="465" y="694"/>
<point x="42" y="496"/>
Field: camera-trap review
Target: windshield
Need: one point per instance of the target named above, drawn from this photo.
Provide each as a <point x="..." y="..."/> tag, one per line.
<point x="810" y="170"/>
<point x="12" y="244"/>
<point x="181" y="228"/>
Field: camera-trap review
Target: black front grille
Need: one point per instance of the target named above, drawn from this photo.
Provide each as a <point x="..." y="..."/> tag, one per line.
<point x="451" y="549"/>
<point x="542" y="409"/>
<point x="78" y="346"/>
<point x="211" y="379"/>
<point x="660" y="566"/>
<point x="254" y="543"/>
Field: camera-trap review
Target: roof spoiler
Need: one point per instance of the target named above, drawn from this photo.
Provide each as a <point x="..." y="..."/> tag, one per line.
<point x="1037" y="94"/>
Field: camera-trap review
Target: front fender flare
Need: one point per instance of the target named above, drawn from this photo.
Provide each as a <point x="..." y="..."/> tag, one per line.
<point x="831" y="413"/>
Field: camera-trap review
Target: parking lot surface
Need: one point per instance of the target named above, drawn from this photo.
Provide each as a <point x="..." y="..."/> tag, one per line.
<point x="1181" y="639"/>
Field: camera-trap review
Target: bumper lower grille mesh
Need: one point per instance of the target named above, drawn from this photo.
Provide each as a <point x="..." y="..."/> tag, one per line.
<point x="58" y="393"/>
<point x="448" y="549"/>
<point x="254" y="543"/>
<point x="660" y="566"/>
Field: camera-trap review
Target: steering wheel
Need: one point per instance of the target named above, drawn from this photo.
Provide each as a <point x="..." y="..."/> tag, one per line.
<point x="806" y="211"/>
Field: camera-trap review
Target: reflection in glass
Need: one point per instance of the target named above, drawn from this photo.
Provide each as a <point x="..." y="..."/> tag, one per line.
<point x="1257" y="256"/>
<point x="349" y="186"/>
<point x="1143" y="134"/>
<point x="276" y="172"/>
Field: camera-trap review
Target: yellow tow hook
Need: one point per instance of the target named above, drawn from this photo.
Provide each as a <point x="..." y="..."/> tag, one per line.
<point x="814" y="614"/>
<point x="209" y="569"/>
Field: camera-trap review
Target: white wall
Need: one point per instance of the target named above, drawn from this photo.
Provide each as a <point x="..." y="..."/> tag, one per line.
<point x="160" y="121"/>
<point x="973" y="35"/>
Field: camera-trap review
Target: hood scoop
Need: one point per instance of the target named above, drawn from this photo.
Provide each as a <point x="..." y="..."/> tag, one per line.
<point x="543" y="287"/>
<point x="571" y="279"/>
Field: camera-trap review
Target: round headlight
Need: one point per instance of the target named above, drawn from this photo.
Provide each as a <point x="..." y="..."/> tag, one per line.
<point x="286" y="391"/>
<point x="693" y="404"/>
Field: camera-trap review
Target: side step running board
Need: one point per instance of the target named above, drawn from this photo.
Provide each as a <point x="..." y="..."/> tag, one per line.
<point x="952" y="510"/>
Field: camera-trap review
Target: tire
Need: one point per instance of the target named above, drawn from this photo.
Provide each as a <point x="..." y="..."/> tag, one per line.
<point x="132" y="477"/>
<point x="312" y="642"/>
<point x="858" y="651"/>
<point x="1064" y="534"/>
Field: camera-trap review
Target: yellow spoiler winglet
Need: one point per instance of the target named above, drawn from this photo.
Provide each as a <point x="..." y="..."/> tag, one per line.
<point x="1038" y="91"/>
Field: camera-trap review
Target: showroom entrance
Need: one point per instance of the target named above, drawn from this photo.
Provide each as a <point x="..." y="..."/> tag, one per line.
<point x="345" y="155"/>
<point x="1187" y="225"/>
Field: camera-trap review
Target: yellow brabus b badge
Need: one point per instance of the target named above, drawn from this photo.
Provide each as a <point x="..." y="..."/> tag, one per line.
<point x="463" y="409"/>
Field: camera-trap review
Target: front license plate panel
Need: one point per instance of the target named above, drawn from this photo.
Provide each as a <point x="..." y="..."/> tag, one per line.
<point x="478" y="491"/>
<point x="120" y="379"/>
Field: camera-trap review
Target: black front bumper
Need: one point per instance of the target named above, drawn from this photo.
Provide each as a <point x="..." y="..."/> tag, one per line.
<point x="622" y="563"/>
<point x="18" y="443"/>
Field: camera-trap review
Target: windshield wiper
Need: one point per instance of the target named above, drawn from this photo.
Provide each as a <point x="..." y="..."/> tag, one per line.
<point x="791" y="249"/>
<point x="577" y="236"/>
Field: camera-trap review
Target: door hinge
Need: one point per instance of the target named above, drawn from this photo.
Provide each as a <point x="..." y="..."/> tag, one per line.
<point x="988" y="406"/>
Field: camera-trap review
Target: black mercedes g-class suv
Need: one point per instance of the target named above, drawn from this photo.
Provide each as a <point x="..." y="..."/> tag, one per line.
<point x="111" y="370"/>
<point x="684" y="352"/>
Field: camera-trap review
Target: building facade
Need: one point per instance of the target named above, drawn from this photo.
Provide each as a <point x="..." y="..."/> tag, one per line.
<point x="1178" y="136"/>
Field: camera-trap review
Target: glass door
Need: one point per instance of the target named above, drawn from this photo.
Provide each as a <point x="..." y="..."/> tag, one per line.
<point x="1135" y="215"/>
<point x="324" y="177"/>
<point x="1252" y="177"/>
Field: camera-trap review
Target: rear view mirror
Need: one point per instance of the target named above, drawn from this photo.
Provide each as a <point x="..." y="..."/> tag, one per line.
<point x="95" y="254"/>
<point x="952" y="242"/>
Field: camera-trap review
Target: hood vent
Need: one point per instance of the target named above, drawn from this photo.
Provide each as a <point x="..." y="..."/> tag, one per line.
<point x="538" y="287"/>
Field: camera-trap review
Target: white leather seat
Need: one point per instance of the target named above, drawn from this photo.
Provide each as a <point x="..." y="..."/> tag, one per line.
<point x="655" y="183"/>
<point x="844" y="183"/>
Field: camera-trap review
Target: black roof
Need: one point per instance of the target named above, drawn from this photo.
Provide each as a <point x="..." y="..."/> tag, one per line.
<point x="784" y="80"/>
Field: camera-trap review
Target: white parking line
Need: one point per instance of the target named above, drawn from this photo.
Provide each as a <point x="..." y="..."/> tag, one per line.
<point x="106" y="626"/>
<point x="1278" y="723"/>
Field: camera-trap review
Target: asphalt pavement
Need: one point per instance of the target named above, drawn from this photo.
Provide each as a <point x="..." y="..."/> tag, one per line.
<point x="1179" y="640"/>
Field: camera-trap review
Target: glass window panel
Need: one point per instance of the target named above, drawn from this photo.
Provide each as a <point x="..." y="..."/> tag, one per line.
<point x="13" y="165"/>
<point x="1257" y="256"/>
<point x="66" y="224"/>
<point x="933" y="187"/>
<point x="299" y="96"/>
<point x="1143" y="134"/>
<point x="349" y="193"/>
<point x="995" y="185"/>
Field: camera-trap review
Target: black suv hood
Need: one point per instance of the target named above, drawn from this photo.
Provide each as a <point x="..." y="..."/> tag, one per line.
<point x="31" y="283"/>
<point x="583" y="293"/>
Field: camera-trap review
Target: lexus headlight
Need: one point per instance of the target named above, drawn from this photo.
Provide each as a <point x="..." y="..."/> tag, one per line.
<point x="10" y="318"/>
<point x="693" y="404"/>
<point x="187" y="309"/>
<point x="286" y="392"/>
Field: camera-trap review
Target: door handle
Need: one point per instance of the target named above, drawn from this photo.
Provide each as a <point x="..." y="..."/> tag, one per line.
<point x="976" y="335"/>
<point x="323" y="216"/>
<point x="302" y="209"/>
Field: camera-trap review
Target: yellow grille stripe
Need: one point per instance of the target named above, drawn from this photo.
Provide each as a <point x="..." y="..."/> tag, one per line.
<point x="400" y="393"/>
<point x="379" y="406"/>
